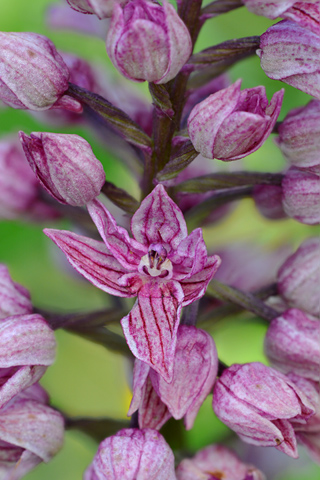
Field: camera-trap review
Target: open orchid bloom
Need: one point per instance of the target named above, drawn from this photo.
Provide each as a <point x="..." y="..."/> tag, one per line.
<point x="162" y="265"/>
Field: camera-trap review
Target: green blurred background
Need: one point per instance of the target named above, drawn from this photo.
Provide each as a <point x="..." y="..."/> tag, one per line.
<point x="86" y="379"/>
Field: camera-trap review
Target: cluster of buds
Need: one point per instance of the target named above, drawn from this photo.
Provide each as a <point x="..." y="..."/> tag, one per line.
<point x="30" y="431"/>
<point x="196" y="113"/>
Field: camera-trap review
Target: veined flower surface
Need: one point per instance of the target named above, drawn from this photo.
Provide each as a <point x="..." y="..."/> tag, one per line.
<point x="162" y="265"/>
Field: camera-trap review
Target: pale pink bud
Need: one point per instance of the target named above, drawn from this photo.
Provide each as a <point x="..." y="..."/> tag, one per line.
<point x="133" y="454"/>
<point x="65" y="165"/>
<point x="147" y="41"/>
<point x="299" y="135"/>
<point x="292" y="344"/>
<point x="27" y="347"/>
<point x="14" y="298"/>
<point x="301" y="195"/>
<point x="290" y="53"/>
<point x="258" y="402"/>
<point x="305" y="12"/>
<point x="231" y="123"/>
<point x="299" y="277"/>
<point x="30" y="432"/>
<point x="268" y="200"/>
<point x="20" y="191"/>
<point x="216" y="462"/>
<point x="32" y="73"/>
<point x="102" y="8"/>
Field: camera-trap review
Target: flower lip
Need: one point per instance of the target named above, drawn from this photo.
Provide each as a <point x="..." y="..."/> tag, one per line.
<point x="155" y="263"/>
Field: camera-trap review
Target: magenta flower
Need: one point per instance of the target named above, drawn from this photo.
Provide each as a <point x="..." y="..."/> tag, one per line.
<point x="164" y="266"/>
<point x="230" y="124"/>
<point x="133" y="454"/>
<point x="290" y="53"/>
<point x="299" y="277"/>
<point x="148" y="41"/>
<point x="258" y="403"/>
<point x="194" y="373"/>
<point x="216" y="462"/>
<point x="30" y="432"/>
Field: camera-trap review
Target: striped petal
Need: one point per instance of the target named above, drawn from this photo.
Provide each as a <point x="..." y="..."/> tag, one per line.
<point x="92" y="259"/>
<point x="151" y="326"/>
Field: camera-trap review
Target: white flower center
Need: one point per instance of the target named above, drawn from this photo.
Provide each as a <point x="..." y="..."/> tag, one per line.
<point x="155" y="263"/>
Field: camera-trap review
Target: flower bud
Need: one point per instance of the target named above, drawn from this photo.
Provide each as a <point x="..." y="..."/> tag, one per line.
<point x="306" y="12"/>
<point x="65" y="165"/>
<point x="231" y="124"/>
<point x="194" y="373"/>
<point x="299" y="135"/>
<point x="102" y="8"/>
<point x="147" y="41"/>
<point x="216" y="462"/>
<point x="292" y="344"/>
<point x="197" y="95"/>
<point x="299" y="277"/>
<point x="20" y="191"/>
<point x="290" y="53"/>
<point x="268" y="200"/>
<point x="27" y="347"/>
<point x="14" y="298"/>
<point x="301" y="195"/>
<point x="133" y="454"/>
<point x="30" y="432"/>
<point x="32" y="73"/>
<point x="258" y="402"/>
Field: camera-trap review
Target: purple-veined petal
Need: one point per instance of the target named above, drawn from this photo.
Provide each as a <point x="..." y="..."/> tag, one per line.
<point x="26" y="340"/>
<point x="19" y="463"/>
<point x="195" y="286"/>
<point x="133" y="454"/>
<point x="14" y="298"/>
<point x="125" y="249"/>
<point x="33" y="426"/>
<point x="190" y="257"/>
<point x="153" y="413"/>
<point x="179" y="42"/>
<point x="159" y="220"/>
<point x="15" y="380"/>
<point x="92" y="259"/>
<point x="194" y="374"/>
<point x="289" y="444"/>
<point x="207" y="116"/>
<point x="151" y="326"/>
<point x="140" y="374"/>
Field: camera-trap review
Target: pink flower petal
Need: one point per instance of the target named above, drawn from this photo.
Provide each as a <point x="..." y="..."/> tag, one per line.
<point x="151" y="326"/>
<point x="195" y="286"/>
<point x="125" y="249"/>
<point x="153" y="413"/>
<point x="159" y="220"/>
<point x="190" y="257"/>
<point x="92" y="259"/>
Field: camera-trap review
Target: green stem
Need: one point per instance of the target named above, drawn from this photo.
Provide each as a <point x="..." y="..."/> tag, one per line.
<point x="196" y="215"/>
<point x="246" y="300"/>
<point x="220" y="6"/>
<point x="218" y="181"/>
